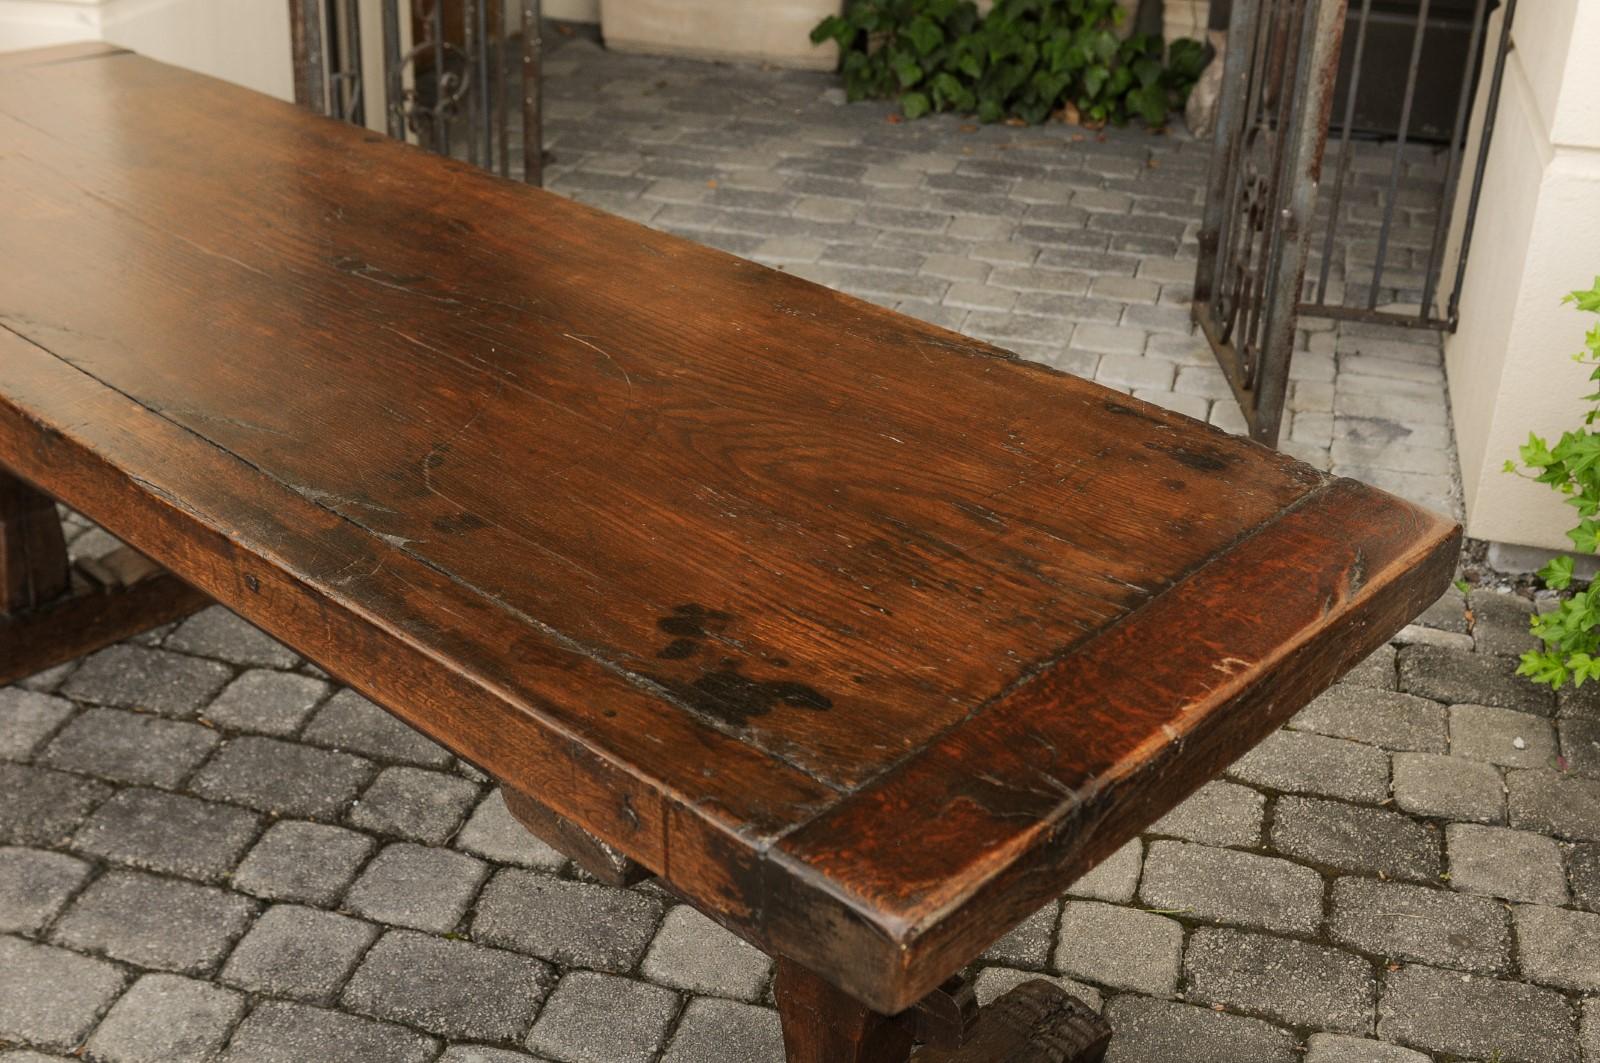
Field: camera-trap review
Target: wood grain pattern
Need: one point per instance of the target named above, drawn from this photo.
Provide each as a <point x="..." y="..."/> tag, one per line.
<point x="823" y="1025"/>
<point x="861" y="634"/>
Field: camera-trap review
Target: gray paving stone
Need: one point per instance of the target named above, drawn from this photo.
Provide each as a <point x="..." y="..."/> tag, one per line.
<point x="1427" y="784"/>
<point x="1123" y="948"/>
<point x="1476" y="1017"/>
<point x="1500" y="623"/>
<point x="1116" y="878"/>
<point x="1510" y="864"/>
<point x="1222" y="885"/>
<point x="284" y="778"/>
<point x="1280" y="979"/>
<point x="1583" y="864"/>
<point x="298" y="953"/>
<point x="132" y="677"/>
<point x="158" y="831"/>
<point x="216" y="632"/>
<point x="163" y="924"/>
<point x="28" y="719"/>
<point x="1580" y="747"/>
<point x="43" y="807"/>
<point x="267" y="702"/>
<point x="413" y="886"/>
<point x="50" y="997"/>
<point x="1558" y="947"/>
<point x="35" y="885"/>
<point x="1591" y="1030"/>
<point x="1377" y="671"/>
<point x="1219" y="813"/>
<point x="1378" y="717"/>
<point x="493" y="833"/>
<point x="723" y="1031"/>
<point x="1351" y="838"/>
<point x="1551" y="803"/>
<point x="167" y="1019"/>
<point x="1028" y="944"/>
<point x="1502" y="736"/>
<point x="1157" y="1031"/>
<point x="483" y="1054"/>
<point x="352" y="723"/>
<point x="1342" y="1048"/>
<point x="571" y="923"/>
<point x="1404" y="922"/>
<point x="993" y="982"/>
<point x="693" y="953"/>
<point x="1449" y="613"/>
<point x="410" y="803"/>
<point x="310" y="863"/>
<point x="599" y="1018"/>
<point x="1300" y="762"/>
<point x="1470" y="678"/>
<point x="277" y="1032"/>
<point x="452" y="988"/>
<point x="130" y="747"/>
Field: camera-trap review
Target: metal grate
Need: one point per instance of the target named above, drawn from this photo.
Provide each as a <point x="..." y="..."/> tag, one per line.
<point x="459" y="78"/>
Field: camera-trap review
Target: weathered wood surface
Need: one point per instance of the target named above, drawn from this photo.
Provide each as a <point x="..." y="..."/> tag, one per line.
<point x="864" y="636"/>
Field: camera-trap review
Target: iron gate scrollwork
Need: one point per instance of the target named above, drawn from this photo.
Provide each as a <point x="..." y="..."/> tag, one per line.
<point x="459" y="77"/>
<point x="1272" y="126"/>
<point x="1379" y="257"/>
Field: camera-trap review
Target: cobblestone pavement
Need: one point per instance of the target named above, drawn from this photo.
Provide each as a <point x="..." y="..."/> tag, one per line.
<point x="210" y="851"/>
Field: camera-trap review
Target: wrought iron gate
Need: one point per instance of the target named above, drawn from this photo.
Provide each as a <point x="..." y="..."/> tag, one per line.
<point x="1262" y="223"/>
<point x="460" y="77"/>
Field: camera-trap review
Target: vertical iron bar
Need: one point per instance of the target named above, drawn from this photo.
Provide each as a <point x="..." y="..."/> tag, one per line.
<point x="1235" y="194"/>
<point x="441" y="120"/>
<point x="482" y="91"/>
<point x="1399" y="153"/>
<point x="532" y="94"/>
<point x="469" y="40"/>
<point x="310" y="64"/>
<point x="1491" y="109"/>
<point x="393" y="83"/>
<point x="1441" y="223"/>
<point x="1321" y="40"/>
<point x="503" y="102"/>
<point x="1344" y="153"/>
<point x="1288" y="56"/>
<point x="350" y="68"/>
<point x="1227" y="144"/>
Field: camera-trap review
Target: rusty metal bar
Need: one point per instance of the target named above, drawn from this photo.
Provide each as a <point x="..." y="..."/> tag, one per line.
<point x="1491" y="111"/>
<point x="1399" y="153"/>
<point x="394" y="115"/>
<point x="1441" y="223"/>
<point x="1344" y="153"/>
<point x="1226" y="141"/>
<point x="310" y="58"/>
<point x="532" y="93"/>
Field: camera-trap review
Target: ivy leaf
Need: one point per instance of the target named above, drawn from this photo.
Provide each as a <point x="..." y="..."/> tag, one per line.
<point x="924" y="34"/>
<point x="1557" y="575"/>
<point x="915" y="104"/>
<point x="1586" y="536"/>
<point x="909" y="71"/>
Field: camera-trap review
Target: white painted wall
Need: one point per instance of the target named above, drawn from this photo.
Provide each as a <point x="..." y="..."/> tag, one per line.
<point x="243" y="41"/>
<point x="1538" y="237"/>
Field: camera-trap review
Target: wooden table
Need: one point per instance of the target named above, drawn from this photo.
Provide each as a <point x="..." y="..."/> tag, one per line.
<point x="864" y="636"/>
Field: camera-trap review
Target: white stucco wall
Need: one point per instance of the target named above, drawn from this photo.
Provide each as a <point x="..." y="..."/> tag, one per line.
<point x="1538" y="237"/>
<point x="243" y="41"/>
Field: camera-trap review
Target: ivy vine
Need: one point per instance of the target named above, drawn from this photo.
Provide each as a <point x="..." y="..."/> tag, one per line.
<point x="1025" y="60"/>
<point x="1571" y="632"/>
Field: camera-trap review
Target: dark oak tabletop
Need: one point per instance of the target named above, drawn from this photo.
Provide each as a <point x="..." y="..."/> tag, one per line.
<point x="864" y="635"/>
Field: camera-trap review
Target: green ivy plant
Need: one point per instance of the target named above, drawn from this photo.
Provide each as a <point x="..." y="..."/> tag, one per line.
<point x="1025" y="60"/>
<point x="1570" y="633"/>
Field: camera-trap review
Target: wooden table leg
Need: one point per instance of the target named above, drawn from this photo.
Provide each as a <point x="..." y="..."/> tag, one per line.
<point x="822" y="1024"/>
<point x="52" y="611"/>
